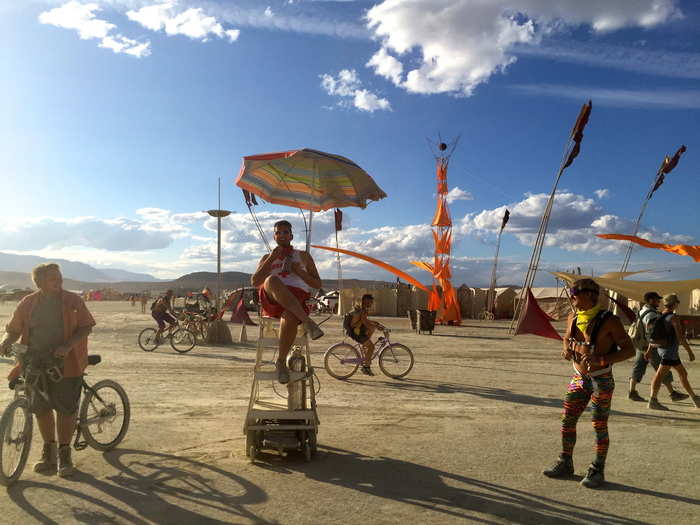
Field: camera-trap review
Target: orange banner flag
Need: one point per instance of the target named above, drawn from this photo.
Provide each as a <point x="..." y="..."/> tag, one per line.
<point x="680" y="249"/>
<point x="376" y="262"/>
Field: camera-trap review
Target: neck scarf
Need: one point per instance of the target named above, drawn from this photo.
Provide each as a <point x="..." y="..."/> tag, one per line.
<point x="584" y="317"/>
<point x="286" y="252"/>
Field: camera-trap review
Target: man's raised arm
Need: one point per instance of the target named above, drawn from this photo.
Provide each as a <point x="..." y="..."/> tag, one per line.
<point x="264" y="268"/>
<point x="310" y="275"/>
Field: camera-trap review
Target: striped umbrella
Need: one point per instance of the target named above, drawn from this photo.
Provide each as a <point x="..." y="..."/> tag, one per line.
<point x="308" y="179"/>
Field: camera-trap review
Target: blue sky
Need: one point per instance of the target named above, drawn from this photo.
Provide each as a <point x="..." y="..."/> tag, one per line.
<point x="119" y="117"/>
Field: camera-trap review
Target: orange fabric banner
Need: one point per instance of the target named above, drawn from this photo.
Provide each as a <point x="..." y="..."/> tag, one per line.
<point x="680" y="249"/>
<point x="376" y="262"/>
<point x="424" y="266"/>
<point x="442" y="215"/>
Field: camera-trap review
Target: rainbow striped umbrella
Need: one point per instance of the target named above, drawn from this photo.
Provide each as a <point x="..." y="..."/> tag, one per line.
<point x="308" y="179"/>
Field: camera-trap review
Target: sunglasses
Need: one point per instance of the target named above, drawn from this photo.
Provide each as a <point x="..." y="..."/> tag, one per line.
<point x="575" y="291"/>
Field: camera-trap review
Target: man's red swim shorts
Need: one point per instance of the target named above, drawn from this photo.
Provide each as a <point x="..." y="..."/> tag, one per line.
<point x="271" y="309"/>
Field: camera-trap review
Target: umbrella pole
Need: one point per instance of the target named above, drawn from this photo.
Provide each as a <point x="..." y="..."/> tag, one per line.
<point x="308" y="231"/>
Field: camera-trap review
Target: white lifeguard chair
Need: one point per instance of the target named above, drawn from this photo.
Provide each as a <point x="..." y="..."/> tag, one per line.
<point x="273" y="423"/>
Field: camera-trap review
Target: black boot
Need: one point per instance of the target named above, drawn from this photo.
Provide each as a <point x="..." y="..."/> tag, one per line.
<point x="562" y="468"/>
<point x="595" y="476"/>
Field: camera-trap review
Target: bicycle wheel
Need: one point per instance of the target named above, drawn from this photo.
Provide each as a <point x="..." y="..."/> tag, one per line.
<point x="147" y="339"/>
<point x="183" y="340"/>
<point x="341" y="360"/>
<point x="396" y="360"/>
<point x="104" y="415"/>
<point x="15" y="440"/>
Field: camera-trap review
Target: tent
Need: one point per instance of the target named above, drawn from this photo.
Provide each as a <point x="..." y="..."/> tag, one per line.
<point x="635" y="290"/>
<point x="505" y="302"/>
<point x="553" y="301"/>
<point x="464" y="298"/>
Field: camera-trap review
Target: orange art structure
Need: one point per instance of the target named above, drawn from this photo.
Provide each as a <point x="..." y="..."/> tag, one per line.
<point x="446" y="305"/>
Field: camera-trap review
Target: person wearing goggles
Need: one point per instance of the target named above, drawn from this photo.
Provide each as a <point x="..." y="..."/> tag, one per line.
<point x="595" y="339"/>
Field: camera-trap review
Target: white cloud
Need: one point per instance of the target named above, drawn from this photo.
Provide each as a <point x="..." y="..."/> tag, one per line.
<point x="458" y="194"/>
<point x="660" y="98"/>
<point x="386" y="66"/>
<point x="461" y="43"/>
<point x="652" y="62"/>
<point x="81" y="18"/>
<point x="268" y="11"/>
<point x="574" y="221"/>
<point x="192" y="22"/>
<point x="153" y="229"/>
<point x="603" y="193"/>
<point x="348" y="87"/>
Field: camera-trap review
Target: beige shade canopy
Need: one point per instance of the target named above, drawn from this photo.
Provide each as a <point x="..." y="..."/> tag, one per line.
<point x="636" y="289"/>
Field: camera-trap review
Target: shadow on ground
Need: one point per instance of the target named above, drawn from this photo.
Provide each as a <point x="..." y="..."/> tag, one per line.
<point x="152" y="487"/>
<point x="454" y="495"/>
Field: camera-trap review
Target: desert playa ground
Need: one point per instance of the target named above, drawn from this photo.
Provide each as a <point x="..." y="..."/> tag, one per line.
<point x="463" y="439"/>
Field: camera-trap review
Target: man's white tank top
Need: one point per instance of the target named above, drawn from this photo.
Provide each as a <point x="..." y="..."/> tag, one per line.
<point x="289" y="279"/>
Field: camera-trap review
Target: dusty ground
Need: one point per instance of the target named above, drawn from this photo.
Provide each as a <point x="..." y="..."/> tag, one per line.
<point x="463" y="439"/>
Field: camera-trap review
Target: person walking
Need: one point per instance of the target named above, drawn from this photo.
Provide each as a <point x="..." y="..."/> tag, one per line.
<point x="673" y="337"/>
<point x="594" y="340"/>
<point x="640" y="337"/>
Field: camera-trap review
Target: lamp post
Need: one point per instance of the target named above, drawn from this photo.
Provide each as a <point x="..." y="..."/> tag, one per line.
<point x="219" y="214"/>
<point x="219" y="332"/>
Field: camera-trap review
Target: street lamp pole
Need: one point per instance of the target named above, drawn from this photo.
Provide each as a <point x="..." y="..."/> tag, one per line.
<point x="219" y="214"/>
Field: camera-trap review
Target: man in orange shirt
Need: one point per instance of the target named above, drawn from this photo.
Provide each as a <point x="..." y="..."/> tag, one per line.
<point x="53" y="323"/>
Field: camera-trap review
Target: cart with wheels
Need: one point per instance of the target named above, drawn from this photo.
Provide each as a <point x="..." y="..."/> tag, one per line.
<point x="273" y="423"/>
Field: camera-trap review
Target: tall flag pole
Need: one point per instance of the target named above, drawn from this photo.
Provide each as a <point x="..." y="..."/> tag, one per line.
<point x="491" y="300"/>
<point x="571" y="151"/>
<point x="666" y="167"/>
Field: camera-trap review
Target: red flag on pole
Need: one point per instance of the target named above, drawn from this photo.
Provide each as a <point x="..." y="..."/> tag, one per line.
<point x="577" y="132"/>
<point x="338" y="220"/>
<point x="506" y="216"/>
<point x="535" y="321"/>
<point x="671" y="163"/>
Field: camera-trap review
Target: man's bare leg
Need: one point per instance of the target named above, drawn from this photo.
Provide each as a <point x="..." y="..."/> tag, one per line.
<point x="65" y="425"/>
<point x="47" y="426"/>
<point x="288" y="332"/>
<point x="278" y="292"/>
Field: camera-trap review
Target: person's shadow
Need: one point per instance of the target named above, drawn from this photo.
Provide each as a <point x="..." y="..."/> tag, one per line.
<point x="454" y="495"/>
<point x="155" y="487"/>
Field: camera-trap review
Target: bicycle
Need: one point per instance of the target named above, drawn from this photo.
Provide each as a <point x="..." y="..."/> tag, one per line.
<point x="196" y="323"/>
<point x="182" y="340"/>
<point x="103" y="415"/>
<point x="343" y="359"/>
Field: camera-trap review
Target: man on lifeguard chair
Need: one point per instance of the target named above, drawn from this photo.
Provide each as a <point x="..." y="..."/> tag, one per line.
<point x="284" y="279"/>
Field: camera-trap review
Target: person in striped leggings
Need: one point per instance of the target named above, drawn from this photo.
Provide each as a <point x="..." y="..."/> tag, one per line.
<point x="595" y="339"/>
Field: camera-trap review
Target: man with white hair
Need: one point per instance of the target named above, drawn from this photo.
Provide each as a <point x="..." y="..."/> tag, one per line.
<point x="53" y="323"/>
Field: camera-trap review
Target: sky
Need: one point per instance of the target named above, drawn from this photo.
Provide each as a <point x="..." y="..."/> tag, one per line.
<point x="121" y="116"/>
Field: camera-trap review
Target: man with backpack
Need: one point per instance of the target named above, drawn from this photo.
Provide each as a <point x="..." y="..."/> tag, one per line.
<point x="359" y="327"/>
<point x="639" y="333"/>
<point x="594" y="340"/>
<point x="667" y="335"/>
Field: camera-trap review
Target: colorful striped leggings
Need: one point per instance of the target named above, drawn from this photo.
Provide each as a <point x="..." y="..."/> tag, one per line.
<point x="599" y="391"/>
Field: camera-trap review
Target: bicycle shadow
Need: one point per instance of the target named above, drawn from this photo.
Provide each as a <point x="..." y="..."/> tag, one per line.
<point x="156" y="487"/>
<point x="450" y="494"/>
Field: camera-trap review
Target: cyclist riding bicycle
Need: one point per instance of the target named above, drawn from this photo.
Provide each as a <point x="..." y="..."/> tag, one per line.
<point x="359" y="327"/>
<point x="162" y="312"/>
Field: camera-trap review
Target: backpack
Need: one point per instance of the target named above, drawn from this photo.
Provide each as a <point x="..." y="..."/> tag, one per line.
<point x="659" y="333"/>
<point x="347" y="323"/>
<point x="154" y="303"/>
<point x="638" y="332"/>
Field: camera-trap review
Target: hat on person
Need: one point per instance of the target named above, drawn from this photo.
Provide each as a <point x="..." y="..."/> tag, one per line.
<point x="650" y="296"/>
<point x="671" y="299"/>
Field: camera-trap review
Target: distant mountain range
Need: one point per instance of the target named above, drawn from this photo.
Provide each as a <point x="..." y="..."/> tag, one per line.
<point x="78" y="271"/>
